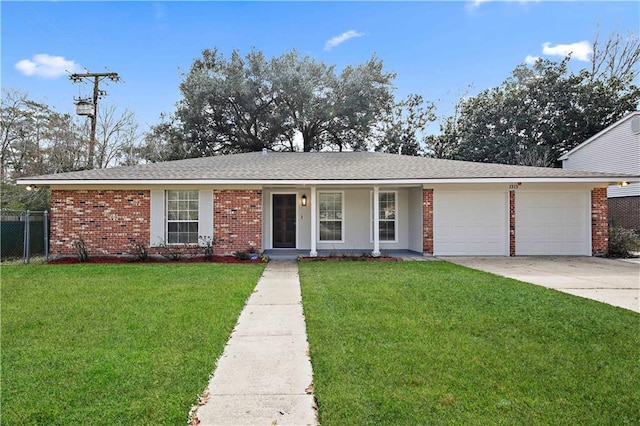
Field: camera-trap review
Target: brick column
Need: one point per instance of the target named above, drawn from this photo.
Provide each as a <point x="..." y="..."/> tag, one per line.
<point x="512" y="223"/>
<point x="237" y="221"/>
<point x="427" y="222"/>
<point x="599" y="222"/>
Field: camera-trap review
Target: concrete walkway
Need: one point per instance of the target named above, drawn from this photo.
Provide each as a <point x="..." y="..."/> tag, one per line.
<point x="264" y="375"/>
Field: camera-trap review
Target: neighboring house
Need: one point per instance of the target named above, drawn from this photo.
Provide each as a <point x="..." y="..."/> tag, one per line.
<point x="615" y="149"/>
<point x="361" y="201"/>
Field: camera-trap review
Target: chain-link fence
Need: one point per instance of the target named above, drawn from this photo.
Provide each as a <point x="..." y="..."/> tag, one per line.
<point x="23" y="234"/>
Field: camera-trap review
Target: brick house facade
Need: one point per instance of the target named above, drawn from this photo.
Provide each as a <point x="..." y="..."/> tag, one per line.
<point x="625" y="212"/>
<point x="107" y="221"/>
<point x="110" y="221"/>
<point x="237" y="221"/>
<point x="430" y="206"/>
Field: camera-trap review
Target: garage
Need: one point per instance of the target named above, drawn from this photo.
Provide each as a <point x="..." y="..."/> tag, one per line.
<point x="470" y="223"/>
<point x="553" y="223"/>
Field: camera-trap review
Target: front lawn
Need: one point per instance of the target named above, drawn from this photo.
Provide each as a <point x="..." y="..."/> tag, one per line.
<point x="434" y="343"/>
<point x="114" y="344"/>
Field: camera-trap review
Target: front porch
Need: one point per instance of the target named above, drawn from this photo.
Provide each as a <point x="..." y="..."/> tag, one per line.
<point x="349" y="219"/>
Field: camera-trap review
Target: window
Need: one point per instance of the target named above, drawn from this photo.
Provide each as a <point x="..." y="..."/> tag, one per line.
<point x="386" y="216"/>
<point x="330" y="214"/>
<point x="182" y="217"/>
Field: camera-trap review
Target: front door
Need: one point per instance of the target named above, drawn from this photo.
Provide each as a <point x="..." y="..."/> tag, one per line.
<point x="284" y="220"/>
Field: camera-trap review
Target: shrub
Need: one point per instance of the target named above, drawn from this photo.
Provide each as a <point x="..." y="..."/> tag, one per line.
<point x="81" y="250"/>
<point x="174" y="251"/>
<point x="242" y="255"/>
<point x="622" y="242"/>
<point x="207" y="246"/>
<point x="139" y="250"/>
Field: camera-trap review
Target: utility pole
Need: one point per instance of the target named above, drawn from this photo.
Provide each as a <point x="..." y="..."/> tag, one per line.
<point x="90" y="108"/>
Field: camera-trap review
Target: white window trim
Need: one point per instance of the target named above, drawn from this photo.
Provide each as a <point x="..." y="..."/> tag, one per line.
<point x="167" y="221"/>
<point x="395" y="221"/>
<point x="342" y="220"/>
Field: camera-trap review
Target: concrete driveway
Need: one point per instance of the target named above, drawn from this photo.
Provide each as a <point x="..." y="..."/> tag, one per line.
<point x="612" y="281"/>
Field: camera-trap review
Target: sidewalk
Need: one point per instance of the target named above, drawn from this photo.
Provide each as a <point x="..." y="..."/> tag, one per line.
<point x="262" y="376"/>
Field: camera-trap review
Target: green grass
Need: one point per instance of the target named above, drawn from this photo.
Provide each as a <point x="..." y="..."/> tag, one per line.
<point x="434" y="343"/>
<point x="114" y="344"/>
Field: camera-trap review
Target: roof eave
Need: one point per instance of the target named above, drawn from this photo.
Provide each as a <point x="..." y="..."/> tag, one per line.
<point x="560" y="179"/>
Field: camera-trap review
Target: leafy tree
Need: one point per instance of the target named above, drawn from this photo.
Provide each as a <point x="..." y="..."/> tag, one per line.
<point x="227" y="106"/>
<point x="244" y="104"/>
<point x="328" y="110"/>
<point x="403" y="130"/>
<point x="544" y="110"/>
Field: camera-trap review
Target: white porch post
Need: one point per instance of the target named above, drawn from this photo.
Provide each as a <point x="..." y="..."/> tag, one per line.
<point x="314" y="223"/>
<point x="376" y="222"/>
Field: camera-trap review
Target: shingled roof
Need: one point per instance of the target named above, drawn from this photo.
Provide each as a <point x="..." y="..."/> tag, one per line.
<point x="274" y="167"/>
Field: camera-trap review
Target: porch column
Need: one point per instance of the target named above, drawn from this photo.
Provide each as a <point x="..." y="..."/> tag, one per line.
<point x="376" y="222"/>
<point x="314" y="223"/>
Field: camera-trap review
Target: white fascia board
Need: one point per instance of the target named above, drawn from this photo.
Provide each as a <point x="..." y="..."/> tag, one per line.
<point x="605" y="179"/>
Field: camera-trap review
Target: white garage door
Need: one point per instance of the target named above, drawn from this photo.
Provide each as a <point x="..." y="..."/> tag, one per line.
<point x="470" y="223"/>
<point x="553" y="223"/>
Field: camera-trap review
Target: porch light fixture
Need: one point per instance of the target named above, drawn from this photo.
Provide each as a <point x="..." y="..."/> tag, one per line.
<point x="303" y="200"/>
<point x="621" y="184"/>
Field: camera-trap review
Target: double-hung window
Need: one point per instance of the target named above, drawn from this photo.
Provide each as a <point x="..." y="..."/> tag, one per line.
<point x="182" y="217"/>
<point x="330" y="214"/>
<point x="387" y="215"/>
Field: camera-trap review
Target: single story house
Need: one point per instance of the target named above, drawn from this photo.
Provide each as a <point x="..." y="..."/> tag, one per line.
<point x="332" y="201"/>
<point x="615" y="149"/>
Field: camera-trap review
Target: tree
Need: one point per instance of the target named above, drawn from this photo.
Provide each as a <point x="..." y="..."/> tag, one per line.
<point x="37" y="140"/>
<point x="403" y="130"/>
<point x="544" y="110"/>
<point x="117" y="137"/>
<point x="328" y="110"/>
<point x="244" y="104"/>
<point x="617" y="58"/>
<point x="228" y="106"/>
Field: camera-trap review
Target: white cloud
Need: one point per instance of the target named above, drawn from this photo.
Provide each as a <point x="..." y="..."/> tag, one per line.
<point x="580" y="50"/>
<point x="474" y="4"/>
<point x="46" y="66"/>
<point x="477" y="3"/>
<point x="337" y="40"/>
<point x="531" y="59"/>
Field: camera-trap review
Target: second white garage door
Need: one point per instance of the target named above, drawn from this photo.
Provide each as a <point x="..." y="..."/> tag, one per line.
<point x="553" y="223"/>
<point x="470" y="223"/>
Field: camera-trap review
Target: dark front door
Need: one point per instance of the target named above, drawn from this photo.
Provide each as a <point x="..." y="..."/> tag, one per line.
<point x="284" y="220"/>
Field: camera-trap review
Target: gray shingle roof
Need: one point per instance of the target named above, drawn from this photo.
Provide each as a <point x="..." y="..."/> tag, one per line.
<point x="322" y="166"/>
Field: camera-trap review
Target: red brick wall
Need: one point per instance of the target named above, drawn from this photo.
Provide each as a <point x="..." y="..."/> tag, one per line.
<point x="108" y="221"/>
<point x="599" y="222"/>
<point x="625" y="212"/>
<point x="427" y="221"/>
<point x="512" y="223"/>
<point x="237" y="221"/>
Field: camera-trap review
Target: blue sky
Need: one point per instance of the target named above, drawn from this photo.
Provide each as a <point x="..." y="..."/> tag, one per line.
<point x="437" y="49"/>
